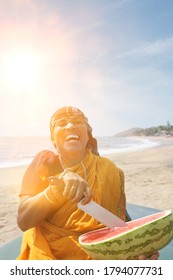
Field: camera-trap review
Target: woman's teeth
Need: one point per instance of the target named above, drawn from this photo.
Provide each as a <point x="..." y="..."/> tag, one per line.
<point x="72" y="137"/>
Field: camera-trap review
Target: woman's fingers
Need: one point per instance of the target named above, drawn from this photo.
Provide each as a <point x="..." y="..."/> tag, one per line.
<point x="73" y="186"/>
<point x="141" y="257"/>
<point x="154" y="256"/>
<point x="79" y="192"/>
<point x="88" y="196"/>
<point x="83" y="193"/>
<point x="76" y="188"/>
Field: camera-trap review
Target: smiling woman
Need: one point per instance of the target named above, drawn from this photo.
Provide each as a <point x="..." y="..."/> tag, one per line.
<point x="21" y="68"/>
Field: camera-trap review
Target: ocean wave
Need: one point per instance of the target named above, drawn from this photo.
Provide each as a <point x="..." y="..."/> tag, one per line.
<point x="139" y="144"/>
<point x="22" y="153"/>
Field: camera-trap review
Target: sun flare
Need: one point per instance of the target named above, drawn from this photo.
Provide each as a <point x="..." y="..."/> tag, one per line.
<point x="22" y="68"/>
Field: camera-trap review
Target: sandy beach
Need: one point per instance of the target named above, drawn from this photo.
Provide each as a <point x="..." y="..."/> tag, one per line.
<point x="148" y="182"/>
<point x="149" y="175"/>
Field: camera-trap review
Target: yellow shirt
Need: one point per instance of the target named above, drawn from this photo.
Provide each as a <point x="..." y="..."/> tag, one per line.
<point x="57" y="237"/>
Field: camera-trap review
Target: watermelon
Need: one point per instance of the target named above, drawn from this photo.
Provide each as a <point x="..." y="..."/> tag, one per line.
<point x="142" y="236"/>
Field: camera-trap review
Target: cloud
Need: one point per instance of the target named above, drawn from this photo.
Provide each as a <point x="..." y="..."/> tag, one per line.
<point x="160" y="47"/>
<point x="149" y="49"/>
<point x="120" y="3"/>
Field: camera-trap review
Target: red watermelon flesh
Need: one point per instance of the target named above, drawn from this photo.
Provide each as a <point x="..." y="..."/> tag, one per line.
<point x="106" y="233"/>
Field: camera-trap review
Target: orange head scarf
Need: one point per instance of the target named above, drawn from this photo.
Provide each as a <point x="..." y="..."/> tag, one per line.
<point x="73" y="111"/>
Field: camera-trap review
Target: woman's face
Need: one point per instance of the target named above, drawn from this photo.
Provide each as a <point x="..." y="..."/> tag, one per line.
<point x="70" y="135"/>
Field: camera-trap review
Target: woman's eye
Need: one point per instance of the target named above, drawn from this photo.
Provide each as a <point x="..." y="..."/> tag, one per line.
<point x="63" y="123"/>
<point x="60" y="123"/>
<point x="77" y="121"/>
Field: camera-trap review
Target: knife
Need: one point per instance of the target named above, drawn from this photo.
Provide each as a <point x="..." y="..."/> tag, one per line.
<point x="101" y="214"/>
<point x="96" y="211"/>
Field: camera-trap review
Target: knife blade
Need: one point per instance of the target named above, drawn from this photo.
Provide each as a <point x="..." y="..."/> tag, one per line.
<point x="101" y="214"/>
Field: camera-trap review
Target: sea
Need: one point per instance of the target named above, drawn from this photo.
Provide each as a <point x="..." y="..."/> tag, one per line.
<point x="19" y="151"/>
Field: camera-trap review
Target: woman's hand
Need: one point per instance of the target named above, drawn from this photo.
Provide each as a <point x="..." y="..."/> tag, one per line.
<point x="75" y="187"/>
<point x="155" y="256"/>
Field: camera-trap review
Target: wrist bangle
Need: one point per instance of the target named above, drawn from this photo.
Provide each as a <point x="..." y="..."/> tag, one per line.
<point x="45" y="192"/>
<point x="53" y="194"/>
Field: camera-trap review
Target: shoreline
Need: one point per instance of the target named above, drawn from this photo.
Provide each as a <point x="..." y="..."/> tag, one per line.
<point x="136" y="143"/>
<point x="148" y="182"/>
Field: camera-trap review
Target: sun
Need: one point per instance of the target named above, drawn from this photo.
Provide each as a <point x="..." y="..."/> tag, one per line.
<point x="22" y="68"/>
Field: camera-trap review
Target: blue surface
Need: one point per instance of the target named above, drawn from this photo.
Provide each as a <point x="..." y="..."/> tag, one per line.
<point x="10" y="250"/>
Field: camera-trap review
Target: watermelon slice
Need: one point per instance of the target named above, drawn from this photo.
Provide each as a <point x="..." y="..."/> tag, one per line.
<point x="142" y="236"/>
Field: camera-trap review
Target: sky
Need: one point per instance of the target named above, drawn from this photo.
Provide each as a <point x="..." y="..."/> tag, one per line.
<point x="111" y="59"/>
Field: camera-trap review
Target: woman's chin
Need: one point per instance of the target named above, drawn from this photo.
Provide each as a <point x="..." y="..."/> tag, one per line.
<point x="73" y="146"/>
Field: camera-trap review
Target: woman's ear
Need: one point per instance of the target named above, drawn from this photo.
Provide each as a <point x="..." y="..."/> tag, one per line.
<point x="53" y="139"/>
<point x="54" y="143"/>
<point x="92" y="144"/>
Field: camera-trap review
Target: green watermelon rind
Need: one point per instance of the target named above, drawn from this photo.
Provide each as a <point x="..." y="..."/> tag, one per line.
<point x="145" y="239"/>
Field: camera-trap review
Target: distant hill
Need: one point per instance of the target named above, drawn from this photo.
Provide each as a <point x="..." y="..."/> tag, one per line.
<point x="129" y="132"/>
<point x="161" y="130"/>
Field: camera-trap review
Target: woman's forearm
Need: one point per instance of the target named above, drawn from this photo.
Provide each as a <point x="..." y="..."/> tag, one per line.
<point x="33" y="210"/>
